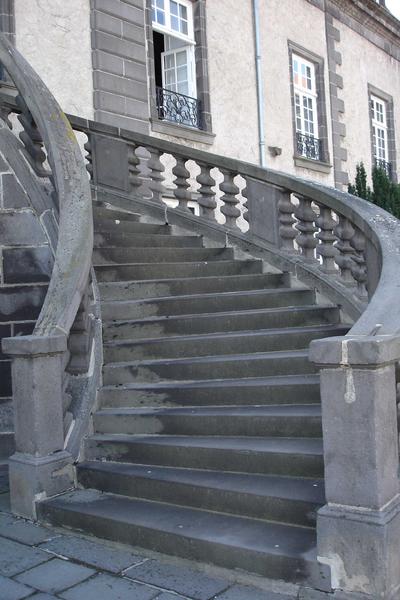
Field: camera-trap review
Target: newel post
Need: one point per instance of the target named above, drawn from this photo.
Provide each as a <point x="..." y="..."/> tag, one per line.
<point x="358" y="529"/>
<point x="40" y="466"/>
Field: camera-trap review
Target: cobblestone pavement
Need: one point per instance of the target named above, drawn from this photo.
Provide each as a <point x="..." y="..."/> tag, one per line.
<point x="42" y="563"/>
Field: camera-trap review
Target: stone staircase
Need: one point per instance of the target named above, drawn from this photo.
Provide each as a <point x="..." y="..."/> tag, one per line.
<point x="207" y="437"/>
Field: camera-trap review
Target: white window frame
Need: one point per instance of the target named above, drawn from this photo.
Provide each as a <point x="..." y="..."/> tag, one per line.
<point x="307" y="94"/>
<point x="191" y="69"/>
<point x="379" y="126"/>
<point x="167" y="28"/>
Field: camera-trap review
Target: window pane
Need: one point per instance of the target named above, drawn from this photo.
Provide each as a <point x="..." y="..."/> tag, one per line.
<point x="184" y="27"/>
<point x="182" y="74"/>
<point x="183" y="88"/>
<point x="181" y="59"/>
<point x="174" y="8"/>
<point x="183" y="12"/>
<point x="169" y="61"/>
<point x="160" y="18"/>
<point x="175" y="23"/>
<point x="160" y="4"/>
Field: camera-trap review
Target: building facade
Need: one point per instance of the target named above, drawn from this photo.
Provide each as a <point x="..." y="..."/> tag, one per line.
<point x="316" y="96"/>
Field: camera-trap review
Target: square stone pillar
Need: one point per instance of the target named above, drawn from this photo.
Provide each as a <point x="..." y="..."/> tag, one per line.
<point x="358" y="530"/>
<point x="40" y="466"/>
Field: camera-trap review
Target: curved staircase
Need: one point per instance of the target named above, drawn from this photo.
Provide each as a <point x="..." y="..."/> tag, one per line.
<point x="207" y="437"/>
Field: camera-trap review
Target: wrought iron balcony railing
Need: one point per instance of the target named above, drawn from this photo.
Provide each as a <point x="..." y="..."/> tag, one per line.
<point x="178" y="108"/>
<point x="309" y="146"/>
<point x="384" y="165"/>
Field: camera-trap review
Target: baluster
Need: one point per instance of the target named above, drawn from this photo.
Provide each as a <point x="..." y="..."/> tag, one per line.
<point x="89" y="156"/>
<point x="326" y="249"/>
<point x="245" y="192"/>
<point x="156" y="178"/>
<point x="134" y="178"/>
<point x="230" y="200"/>
<point x="32" y="140"/>
<point x="306" y="218"/>
<point x="344" y="258"/>
<point x="287" y="232"/>
<point x="206" y="200"/>
<point x="359" y="268"/>
<point x="182" y="175"/>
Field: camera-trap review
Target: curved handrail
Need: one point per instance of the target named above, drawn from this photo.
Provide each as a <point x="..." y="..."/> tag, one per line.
<point x="75" y="240"/>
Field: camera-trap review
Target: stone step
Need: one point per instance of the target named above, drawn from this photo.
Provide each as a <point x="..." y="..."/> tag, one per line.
<point x="137" y="290"/>
<point x="140" y="240"/>
<point x="102" y="212"/>
<point x="245" y="320"/>
<point x="291" y="500"/>
<point x="114" y="255"/>
<point x="146" y="271"/>
<point x="288" y="389"/>
<point x="269" y="549"/>
<point x="292" y="420"/>
<point x="109" y="225"/>
<point x="297" y="457"/>
<point x="267" y="340"/>
<point x="206" y="303"/>
<point x="259" y="364"/>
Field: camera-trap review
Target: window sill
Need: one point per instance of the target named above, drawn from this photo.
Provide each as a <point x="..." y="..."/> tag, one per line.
<point x="311" y="164"/>
<point x="182" y="131"/>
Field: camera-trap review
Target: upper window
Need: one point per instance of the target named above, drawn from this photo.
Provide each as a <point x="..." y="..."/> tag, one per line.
<point x="306" y="112"/>
<point x="379" y="132"/>
<point x="173" y="17"/>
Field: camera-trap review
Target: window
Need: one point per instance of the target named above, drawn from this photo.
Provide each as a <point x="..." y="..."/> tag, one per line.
<point x="174" y="58"/>
<point x="308" y="143"/>
<point x="380" y="149"/>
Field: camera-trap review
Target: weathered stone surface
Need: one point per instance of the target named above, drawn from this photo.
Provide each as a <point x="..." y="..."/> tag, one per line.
<point x="178" y="579"/>
<point x="21" y="303"/>
<point x="27" y="265"/>
<point x="15" y="557"/>
<point x="100" y="555"/>
<point x="23" y="531"/>
<point x="12" y="590"/>
<point x="110" y="588"/>
<point x="13" y="194"/>
<point x="55" y="575"/>
<point x="241" y="592"/>
<point x="20" y="229"/>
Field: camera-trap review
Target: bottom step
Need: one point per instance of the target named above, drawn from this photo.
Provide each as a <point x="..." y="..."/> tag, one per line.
<point x="269" y="549"/>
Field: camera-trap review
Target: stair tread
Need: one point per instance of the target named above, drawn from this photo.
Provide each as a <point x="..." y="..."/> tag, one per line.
<point x="270" y="410"/>
<point x="213" y="358"/>
<point x="240" y="276"/>
<point x="292" y="488"/>
<point x="277" y="380"/>
<point x="230" y="334"/>
<point x="226" y="530"/>
<point x="304" y="446"/>
<point x="256" y="311"/>
<point x="233" y="294"/>
<point x="175" y="264"/>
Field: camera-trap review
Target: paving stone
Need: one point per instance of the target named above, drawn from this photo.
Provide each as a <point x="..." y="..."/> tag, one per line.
<point x="23" y="531"/>
<point x="55" y="575"/>
<point x="96" y="554"/>
<point x="242" y="592"/>
<point x="12" y="590"/>
<point x="106" y="587"/>
<point x="179" y="579"/>
<point x="41" y="596"/>
<point x="168" y="596"/>
<point x="15" y="557"/>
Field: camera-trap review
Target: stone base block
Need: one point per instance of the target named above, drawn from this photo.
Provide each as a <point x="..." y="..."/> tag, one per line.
<point x="361" y="547"/>
<point x="33" y="479"/>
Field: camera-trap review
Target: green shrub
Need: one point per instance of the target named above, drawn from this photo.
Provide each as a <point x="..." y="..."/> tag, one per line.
<point x="385" y="193"/>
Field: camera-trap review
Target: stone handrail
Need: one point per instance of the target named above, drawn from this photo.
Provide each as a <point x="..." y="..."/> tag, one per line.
<point x="44" y="361"/>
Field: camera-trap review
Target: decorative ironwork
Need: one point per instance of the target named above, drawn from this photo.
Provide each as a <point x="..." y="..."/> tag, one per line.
<point x="384" y="165"/>
<point x="309" y="146"/>
<point x="178" y="108"/>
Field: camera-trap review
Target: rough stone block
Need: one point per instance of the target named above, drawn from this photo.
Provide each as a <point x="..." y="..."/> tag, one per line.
<point x="20" y="229"/>
<point x="27" y="265"/>
<point x="100" y="555"/>
<point x="178" y="579"/>
<point x="119" y="47"/>
<point x="120" y="86"/>
<point x="12" y="590"/>
<point x="123" y="122"/>
<point x="110" y="588"/>
<point x="121" y="10"/>
<point x="108" y="63"/>
<point x="109" y="101"/>
<point x="133" y="33"/>
<point x="137" y="109"/>
<point x="13" y="194"/>
<point x="15" y="557"/>
<point x="54" y="576"/>
<point x="21" y="303"/>
<point x="134" y="70"/>
<point x="107" y="23"/>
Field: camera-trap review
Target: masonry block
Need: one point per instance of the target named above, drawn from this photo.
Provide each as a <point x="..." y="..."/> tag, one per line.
<point x="27" y="265"/>
<point x="20" y="229"/>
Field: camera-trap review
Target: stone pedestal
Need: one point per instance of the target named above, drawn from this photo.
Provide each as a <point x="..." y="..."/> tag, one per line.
<point x="40" y="467"/>
<point x="359" y="528"/>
